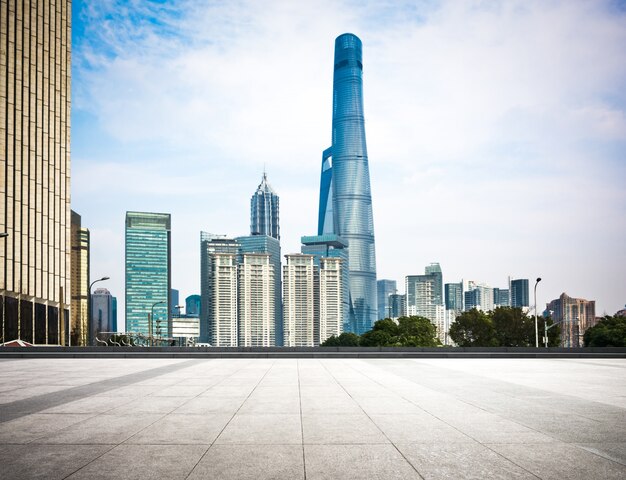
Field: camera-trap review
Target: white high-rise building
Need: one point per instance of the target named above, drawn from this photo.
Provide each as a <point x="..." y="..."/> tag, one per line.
<point x="331" y="293"/>
<point x="300" y="300"/>
<point x="223" y="300"/>
<point x="256" y="301"/>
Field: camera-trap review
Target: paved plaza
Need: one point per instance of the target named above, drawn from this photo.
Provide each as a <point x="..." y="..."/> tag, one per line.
<point x="313" y="418"/>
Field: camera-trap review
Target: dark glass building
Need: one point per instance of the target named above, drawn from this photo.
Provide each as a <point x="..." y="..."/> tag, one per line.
<point x="519" y="292"/>
<point x="345" y="197"/>
<point x="264" y="211"/>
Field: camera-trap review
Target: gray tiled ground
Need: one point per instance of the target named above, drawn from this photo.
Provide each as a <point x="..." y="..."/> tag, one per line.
<point x="313" y="419"/>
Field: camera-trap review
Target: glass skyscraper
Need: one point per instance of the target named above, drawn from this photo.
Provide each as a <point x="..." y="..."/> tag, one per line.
<point x="148" y="271"/>
<point x="345" y="198"/>
<point x="385" y="289"/>
<point x="519" y="292"/>
<point x="264" y="211"/>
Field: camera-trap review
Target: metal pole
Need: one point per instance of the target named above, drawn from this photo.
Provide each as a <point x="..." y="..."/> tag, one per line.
<point x="89" y="307"/>
<point x="536" y="324"/>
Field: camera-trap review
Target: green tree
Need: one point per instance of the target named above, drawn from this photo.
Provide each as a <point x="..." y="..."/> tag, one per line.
<point x="608" y="332"/>
<point x="513" y="328"/>
<point x="473" y="329"/>
<point x="346" y="339"/>
<point x="408" y="332"/>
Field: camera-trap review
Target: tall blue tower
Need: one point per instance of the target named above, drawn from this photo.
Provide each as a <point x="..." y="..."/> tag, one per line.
<point x="345" y="195"/>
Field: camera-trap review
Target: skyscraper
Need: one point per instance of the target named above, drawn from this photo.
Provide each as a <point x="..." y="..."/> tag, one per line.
<point x="35" y="71"/>
<point x="192" y="305"/>
<point x="434" y="269"/>
<point x="454" y="296"/>
<point x="264" y="211"/>
<point x="519" y="292"/>
<point x="257" y="321"/>
<point x="174" y="299"/>
<point x="80" y="330"/>
<point x="332" y="246"/>
<point x="148" y="271"/>
<point x="301" y="300"/>
<point x="330" y="299"/>
<point x="101" y="313"/>
<point x="385" y="288"/>
<point x="345" y="198"/>
<point x="218" y="290"/>
<point x="575" y="316"/>
<point x="271" y="246"/>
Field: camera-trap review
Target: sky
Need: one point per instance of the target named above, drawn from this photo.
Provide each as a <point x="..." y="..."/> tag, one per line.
<point x="496" y="131"/>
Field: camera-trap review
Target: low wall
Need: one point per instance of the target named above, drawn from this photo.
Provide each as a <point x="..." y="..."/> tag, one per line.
<point x="307" y="352"/>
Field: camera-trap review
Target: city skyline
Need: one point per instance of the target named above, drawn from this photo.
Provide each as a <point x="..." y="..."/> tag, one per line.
<point x="482" y="140"/>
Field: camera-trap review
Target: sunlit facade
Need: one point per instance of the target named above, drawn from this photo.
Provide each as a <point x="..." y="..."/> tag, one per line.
<point x="575" y="316"/>
<point x="35" y="73"/>
<point x="148" y="272"/>
<point x="330" y="299"/>
<point x="301" y="300"/>
<point x="257" y="327"/>
<point x="79" y="324"/>
<point x="345" y="198"/>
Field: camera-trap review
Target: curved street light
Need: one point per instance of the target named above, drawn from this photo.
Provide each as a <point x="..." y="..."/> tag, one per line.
<point x="536" y="326"/>
<point x="152" y="319"/>
<point x="89" y="304"/>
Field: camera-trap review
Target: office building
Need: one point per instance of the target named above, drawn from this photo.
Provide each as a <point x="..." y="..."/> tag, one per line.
<point x="101" y="313"/>
<point x="434" y="270"/>
<point x="330" y="298"/>
<point x="397" y="306"/>
<point x="148" y="272"/>
<point x="174" y="299"/>
<point x="385" y="288"/>
<point x="332" y="246"/>
<point x="454" y="296"/>
<point x="264" y="210"/>
<point x="114" y="314"/>
<point x="192" y="305"/>
<point x="35" y="73"/>
<point x="257" y="321"/>
<point x="213" y="318"/>
<point x="79" y="323"/>
<point x="519" y="292"/>
<point x="575" y="316"/>
<point x="478" y="296"/>
<point x="345" y="197"/>
<point x="300" y="300"/>
<point x="271" y="246"/>
<point x="501" y="297"/>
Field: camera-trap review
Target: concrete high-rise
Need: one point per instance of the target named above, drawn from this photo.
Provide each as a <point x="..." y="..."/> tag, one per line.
<point x="575" y="316"/>
<point x="345" y="197"/>
<point x="148" y="272"/>
<point x="264" y="211"/>
<point x="330" y="299"/>
<point x="257" y="321"/>
<point x="218" y="289"/>
<point x="80" y="329"/>
<point x="301" y="300"/>
<point x="35" y="72"/>
<point x="434" y="269"/>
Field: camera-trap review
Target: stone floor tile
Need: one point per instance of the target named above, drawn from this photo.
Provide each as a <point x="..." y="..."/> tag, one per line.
<point x="330" y="405"/>
<point x="612" y="451"/>
<point x="251" y="462"/>
<point x="176" y="429"/>
<point x="141" y="462"/>
<point x="418" y="428"/>
<point x="262" y="429"/>
<point x="356" y="462"/>
<point x="329" y="429"/>
<point x="31" y="427"/>
<point x="210" y="405"/>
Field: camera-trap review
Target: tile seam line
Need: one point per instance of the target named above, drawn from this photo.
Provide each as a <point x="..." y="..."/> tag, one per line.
<point x="451" y="426"/>
<point x="65" y="395"/>
<point x="231" y="418"/>
<point x="373" y="422"/>
<point x="117" y="445"/>
<point x="301" y="422"/>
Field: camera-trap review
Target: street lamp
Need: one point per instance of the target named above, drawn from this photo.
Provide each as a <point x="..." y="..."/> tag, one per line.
<point x="89" y="304"/>
<point x="536" y="326"/>
<point x="151" y="318"/>
<point x="3" y="234"/>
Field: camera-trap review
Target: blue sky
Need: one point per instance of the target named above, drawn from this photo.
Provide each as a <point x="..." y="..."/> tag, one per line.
<point x="496" y="131"/>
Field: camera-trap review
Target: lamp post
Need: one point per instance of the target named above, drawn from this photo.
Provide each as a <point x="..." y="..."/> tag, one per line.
<point x="536" y="325"/>
<point x="89" y="304"/>
<point x="151" y="319"/>
<point x="3" y="234"/>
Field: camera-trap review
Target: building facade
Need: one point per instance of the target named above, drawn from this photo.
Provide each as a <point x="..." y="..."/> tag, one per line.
<point x="332" y="246"/>
<point x="101" y="313"/>
<point x="256" y="296"/>
<point x="575" y="315"/>
<point x="80" y="329"/>
<point x="330" y="298"/>
<point x="271" y="246"/>
<point x="223" y="300"/>
<point x="434" y="270"/>
<point x="345" y="196"/>
<point x="397" y="306"/>
<point x="35" y="74"/>
<point x="501" y="297"/>
<point x="300" y="300"/>
<point x="385" y="288"/>
<point x="192" y="305"/>
<point x="210" y="246"/>
<point x="148" y="272"/>
<point x="519" y="292"/>
<point x="454" y="296"/>
<point x="264" y="211"/>
<point x="174" y="299"/>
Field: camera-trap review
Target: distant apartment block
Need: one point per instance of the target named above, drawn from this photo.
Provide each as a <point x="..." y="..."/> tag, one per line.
<point x="331" y="298"/>
<point x="256" y="297"/>
<point x="300" y="300"/>
<point x="576" y="316"/>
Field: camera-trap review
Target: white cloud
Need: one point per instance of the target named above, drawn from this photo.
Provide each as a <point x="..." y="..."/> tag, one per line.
<point x="496" y="130"/>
